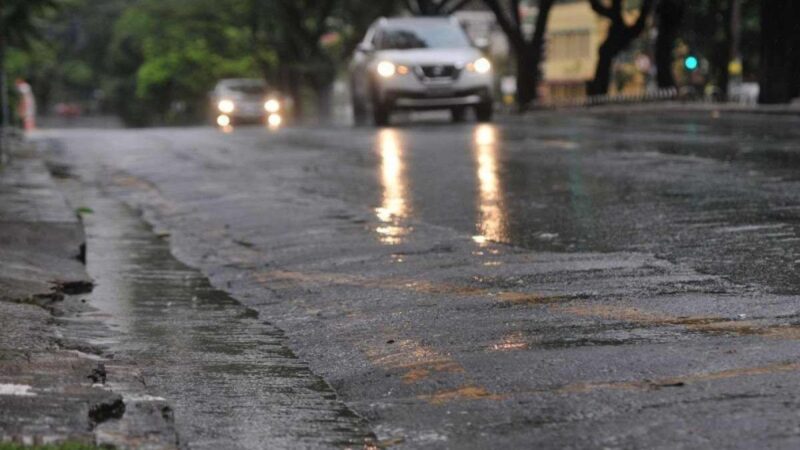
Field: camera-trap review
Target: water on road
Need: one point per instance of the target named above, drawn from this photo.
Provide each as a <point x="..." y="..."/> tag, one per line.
<point x="233" y="382"/>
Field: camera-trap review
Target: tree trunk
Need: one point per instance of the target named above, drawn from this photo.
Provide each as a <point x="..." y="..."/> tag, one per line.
<point x="293" y="85"/>
<point x="527" y="79"/>
<point x="323" y="93"/>
<point x="670" y="14"/>
<point x="780" y="51"/>
<point x="4" y="100"/>
<point x="5" y="108"/>
<point x="723" y="50"/>
<point x="602" y="76"/>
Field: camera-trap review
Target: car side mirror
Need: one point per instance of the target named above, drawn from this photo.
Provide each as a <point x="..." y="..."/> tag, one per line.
<point x="364" y="48"/>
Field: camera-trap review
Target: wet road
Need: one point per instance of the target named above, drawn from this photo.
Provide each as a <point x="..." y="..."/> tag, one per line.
<point x="592" y="280"/>
<point x="231" y="376"/>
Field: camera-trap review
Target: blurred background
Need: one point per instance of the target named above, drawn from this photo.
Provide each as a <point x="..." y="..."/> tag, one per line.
<point x="155" y="62"/>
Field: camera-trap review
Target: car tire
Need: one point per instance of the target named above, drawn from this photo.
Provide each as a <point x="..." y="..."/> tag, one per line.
<point x="458" y="114"/>
<point x="359" y="112"/>
<point x="484" y="112"/>
<point x="380" y="114"/>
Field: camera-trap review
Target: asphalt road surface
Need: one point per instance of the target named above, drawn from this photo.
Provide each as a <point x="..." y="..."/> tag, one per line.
<point x="562" y="280"/>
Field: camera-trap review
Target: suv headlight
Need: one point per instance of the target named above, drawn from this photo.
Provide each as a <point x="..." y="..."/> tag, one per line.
<point x="480" y="65"/>
<point x="386" y="69"/>
<point x="226" y="106"/>
<point x="272" y="106"/>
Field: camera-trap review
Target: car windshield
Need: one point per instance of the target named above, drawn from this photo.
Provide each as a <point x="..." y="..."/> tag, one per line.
<point x="248" y="88"/>
<point x="422" y="35"/>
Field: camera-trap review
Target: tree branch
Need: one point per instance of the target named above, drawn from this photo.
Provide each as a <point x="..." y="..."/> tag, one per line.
<point x="451" y="6"/>
<point x="600" y="8"/>
<point x="515" y="13"/>
<point x="541" y="20"/>
<point x="641" y="21"/>
<point x="413" y="7"/>
<point x="514" y="33"/>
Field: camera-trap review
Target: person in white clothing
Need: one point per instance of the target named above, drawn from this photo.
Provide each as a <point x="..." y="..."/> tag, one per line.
<point x="27" y="105"/>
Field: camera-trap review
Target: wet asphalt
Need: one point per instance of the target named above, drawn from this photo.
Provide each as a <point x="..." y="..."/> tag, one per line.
<point x="560" y="280"/>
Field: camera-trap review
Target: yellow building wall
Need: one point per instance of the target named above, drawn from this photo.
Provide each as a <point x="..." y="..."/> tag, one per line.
<point x="574" y="34"/>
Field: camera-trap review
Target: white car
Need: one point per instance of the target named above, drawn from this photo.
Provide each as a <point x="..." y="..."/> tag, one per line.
<point x="419" y="64"/>
<point x="244" y="100"/>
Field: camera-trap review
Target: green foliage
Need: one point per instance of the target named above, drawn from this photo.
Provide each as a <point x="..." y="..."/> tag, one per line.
<point x="64" y="446"/>
<point x="704" y="31"/>
<point x="18" y="20"/>
<point x="171" y="52"/>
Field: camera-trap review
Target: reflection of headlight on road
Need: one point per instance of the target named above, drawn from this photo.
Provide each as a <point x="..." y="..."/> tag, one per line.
<point x="223" y="120"/>
<point x="386" y="69"/>
<point x="272" y="106"/>
<point x="485" y="135"/>
<point x="274" y="120"/>
<point x="480" y="65"/>
<point x="226" y="106"/>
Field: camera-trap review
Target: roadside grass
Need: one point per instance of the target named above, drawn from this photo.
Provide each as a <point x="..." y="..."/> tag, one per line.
<point x="64" y="446"/>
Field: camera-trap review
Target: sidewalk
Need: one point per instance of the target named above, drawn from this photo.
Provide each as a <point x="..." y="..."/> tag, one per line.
<point x="677" y="106"/>
<point x="50" y="392"/>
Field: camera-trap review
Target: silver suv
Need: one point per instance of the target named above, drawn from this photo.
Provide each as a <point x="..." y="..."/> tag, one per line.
<point x="418" y="64"/>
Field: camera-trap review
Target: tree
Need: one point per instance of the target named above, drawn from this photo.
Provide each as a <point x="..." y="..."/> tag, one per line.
<point x="780" y="51"/>
<point x="720" y="31"/>
<point x="434" y="7"/>
<point x="620" y="36"/>
<point x="311" y="39"/>
<point x="527" y="49"/>
<point x="166" y="55"/>
<point x="669" y="14"/>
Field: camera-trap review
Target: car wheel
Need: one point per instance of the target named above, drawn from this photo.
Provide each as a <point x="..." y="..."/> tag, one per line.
<point x="458" y="114"/>
<point x="484" y="112"/>
<point x="359" y="112"/>
<point x="380" y="114"/>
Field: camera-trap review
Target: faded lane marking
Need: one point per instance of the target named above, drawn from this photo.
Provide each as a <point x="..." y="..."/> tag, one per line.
<point x="419" y="362"/>
<point x="513" y="341"/>
<point x="425" y="287"/>
<point x="677" y="380"/>
<point x="705" y="324"/>
<point x="468" y="392"/>
<point x="558" y="304"/>
<point x="16" y="390"/>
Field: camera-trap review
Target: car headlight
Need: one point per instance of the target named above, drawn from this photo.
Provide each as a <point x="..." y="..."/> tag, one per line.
<point x="386" y="69"/>
<point x="480" y="65"/>
<point x="226" y="106"/>
<point x="272" y="106"/>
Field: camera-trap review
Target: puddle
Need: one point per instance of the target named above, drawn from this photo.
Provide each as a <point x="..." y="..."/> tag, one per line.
<point x="230" y="377"/>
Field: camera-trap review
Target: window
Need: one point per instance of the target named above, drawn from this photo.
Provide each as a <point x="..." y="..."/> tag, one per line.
<point x="572" y="44"/>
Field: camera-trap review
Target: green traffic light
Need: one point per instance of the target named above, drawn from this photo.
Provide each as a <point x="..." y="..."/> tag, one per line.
<point x="690" y="63"/>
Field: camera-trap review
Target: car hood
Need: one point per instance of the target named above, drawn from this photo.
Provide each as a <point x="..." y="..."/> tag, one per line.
<point x="429" y="56"/>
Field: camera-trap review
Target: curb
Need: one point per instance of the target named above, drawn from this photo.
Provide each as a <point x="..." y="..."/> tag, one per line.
<point x="53" y="390"/>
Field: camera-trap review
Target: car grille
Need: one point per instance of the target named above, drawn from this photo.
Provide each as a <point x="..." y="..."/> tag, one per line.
<point x="439" y="72"/>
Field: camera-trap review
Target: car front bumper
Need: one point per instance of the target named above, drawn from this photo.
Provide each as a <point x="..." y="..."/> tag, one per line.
<point x="409" y="92"/>
<point x="406" y="100"/>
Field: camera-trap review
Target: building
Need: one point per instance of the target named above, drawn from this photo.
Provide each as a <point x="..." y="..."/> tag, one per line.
<point x="574" y="33"/>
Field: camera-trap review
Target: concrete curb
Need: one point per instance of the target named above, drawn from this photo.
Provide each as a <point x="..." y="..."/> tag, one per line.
<point x="672" y="106"/>
<point x="51" y="389"/>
